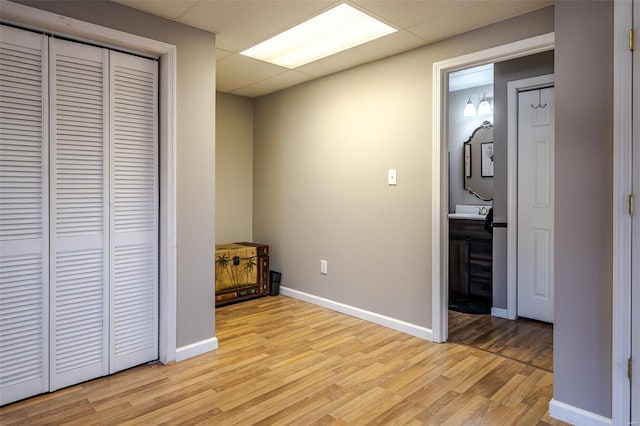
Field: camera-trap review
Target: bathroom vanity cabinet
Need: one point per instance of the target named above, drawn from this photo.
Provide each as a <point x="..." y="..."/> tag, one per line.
<point x="470" y="258"/>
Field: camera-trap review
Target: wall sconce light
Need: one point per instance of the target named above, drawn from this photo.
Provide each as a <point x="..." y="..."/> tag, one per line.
<point x="469" y="109"/>
<point x="484" y="107"/>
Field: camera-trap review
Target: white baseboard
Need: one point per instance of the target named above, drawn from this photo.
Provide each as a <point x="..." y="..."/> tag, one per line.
<point x="195" y="349"/>
<point x="500" y="313"/>
<point x="576" y="416"/>
<point x="396" y="324"/>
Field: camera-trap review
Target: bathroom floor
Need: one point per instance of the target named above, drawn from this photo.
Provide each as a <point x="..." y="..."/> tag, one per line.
<point x="524" y="340"/>
<point x="469" y="304"/>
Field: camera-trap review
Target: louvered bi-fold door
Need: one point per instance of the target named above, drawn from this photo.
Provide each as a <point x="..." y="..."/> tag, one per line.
<point x="23" y="215"/>
<point x="78" y="213"/>
<point x="134" y="211"/>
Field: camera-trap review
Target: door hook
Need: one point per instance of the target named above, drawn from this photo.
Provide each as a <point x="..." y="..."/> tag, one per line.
<point x="539" y="101"/>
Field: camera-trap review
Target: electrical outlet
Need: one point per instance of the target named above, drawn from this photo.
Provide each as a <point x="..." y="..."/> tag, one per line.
<point x="323" y="267"/>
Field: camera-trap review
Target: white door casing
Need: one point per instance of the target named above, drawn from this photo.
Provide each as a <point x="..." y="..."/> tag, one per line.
<point x="535" y="204"/>
<point x="24" y="235"/>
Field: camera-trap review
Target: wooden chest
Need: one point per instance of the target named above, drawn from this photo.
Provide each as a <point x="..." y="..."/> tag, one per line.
<point x="242" y="272"/>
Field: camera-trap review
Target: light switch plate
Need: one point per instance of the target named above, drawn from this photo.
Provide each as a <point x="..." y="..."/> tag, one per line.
<point x="323" y="267"/>
<point x="392" y="177"/>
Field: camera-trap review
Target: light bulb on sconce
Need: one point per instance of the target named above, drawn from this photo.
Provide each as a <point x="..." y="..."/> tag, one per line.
<point x="469" y="109"/>
<point x="484" y="107"/>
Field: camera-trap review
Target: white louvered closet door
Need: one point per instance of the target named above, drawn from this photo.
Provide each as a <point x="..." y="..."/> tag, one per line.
<point x="134" y="211"/>
<point x="78" y="213"/>
<point x="23" y="215"/>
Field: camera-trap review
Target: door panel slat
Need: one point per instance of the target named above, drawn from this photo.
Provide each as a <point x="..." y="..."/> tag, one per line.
<point x="79" y="207"/>
<point x="24" y="242"/>
<point x="134" y="219"/>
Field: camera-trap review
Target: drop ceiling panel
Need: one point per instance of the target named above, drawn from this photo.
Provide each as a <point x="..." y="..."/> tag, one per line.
<point x="236" y="71"/>
<point x="472" y="15"/>
<point x="171" y="9"/>
<point x="273" y="84"/>
<point x="242" y="24"/>
<point x="439" y="29"/>
<point x="386" y="46"/>
<point x="405" y="14"/>
<point x="221" y="53"/>
<point x="478" y="14"/>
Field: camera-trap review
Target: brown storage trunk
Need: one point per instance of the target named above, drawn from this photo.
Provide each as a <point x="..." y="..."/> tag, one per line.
<point x="242" y="272"/>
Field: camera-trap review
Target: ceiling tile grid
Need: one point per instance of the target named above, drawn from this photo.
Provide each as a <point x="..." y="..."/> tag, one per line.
<point x="240" y="24"/>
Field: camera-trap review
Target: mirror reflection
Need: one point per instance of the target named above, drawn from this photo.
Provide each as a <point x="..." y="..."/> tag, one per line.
<point x="478" y="162"/>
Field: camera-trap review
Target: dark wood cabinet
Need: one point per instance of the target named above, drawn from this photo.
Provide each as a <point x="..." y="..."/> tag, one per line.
<point x="458" y="266"/>
<point x="470" y="258"/>
<point x="480" y="267"/>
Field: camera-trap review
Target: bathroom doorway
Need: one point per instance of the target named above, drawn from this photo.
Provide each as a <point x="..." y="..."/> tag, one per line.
<point x="471" y="187"/>
<point x="475" y="312"/>
<point x="440" y="172"/>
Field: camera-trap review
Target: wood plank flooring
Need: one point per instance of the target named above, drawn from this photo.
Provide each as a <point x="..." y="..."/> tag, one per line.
<point x="524" y="340"/>
<point x="282" y="361"/>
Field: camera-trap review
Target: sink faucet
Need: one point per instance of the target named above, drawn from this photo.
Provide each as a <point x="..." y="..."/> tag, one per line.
<point x="482" y="210"/>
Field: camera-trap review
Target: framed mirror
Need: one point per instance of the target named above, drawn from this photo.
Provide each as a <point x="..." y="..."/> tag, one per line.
<point x="478" y="162"/>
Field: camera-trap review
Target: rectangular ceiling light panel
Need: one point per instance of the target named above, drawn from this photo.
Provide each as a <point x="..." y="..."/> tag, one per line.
<point x="333" y="31"/>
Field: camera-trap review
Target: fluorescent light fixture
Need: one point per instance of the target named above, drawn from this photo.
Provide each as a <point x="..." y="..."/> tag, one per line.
<point x="333" y="31"/>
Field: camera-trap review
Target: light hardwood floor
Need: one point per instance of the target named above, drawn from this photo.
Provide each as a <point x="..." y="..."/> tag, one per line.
<point x="524" y="340"/>
<point x="283" y="361"/>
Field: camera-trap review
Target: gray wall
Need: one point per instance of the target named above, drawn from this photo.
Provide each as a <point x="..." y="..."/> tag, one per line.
<point x="196" y="85"/>
<point x="460" y="129"/>
<point x="503" y="73"/>
<point x="583" y="242"/>
<point x="321" y="154"/>
<point x="234" y="168"/>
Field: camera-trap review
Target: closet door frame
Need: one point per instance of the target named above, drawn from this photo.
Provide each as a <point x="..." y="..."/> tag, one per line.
<point x="54" y="23"/>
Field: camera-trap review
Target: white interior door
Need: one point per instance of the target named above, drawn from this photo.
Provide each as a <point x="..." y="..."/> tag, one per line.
<point x="535" y="204"/>
<point x="635" y="239"/>
<point x="79" y="220"/>
<point x="24" y="241"/>
<point x="134" y="211"/>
